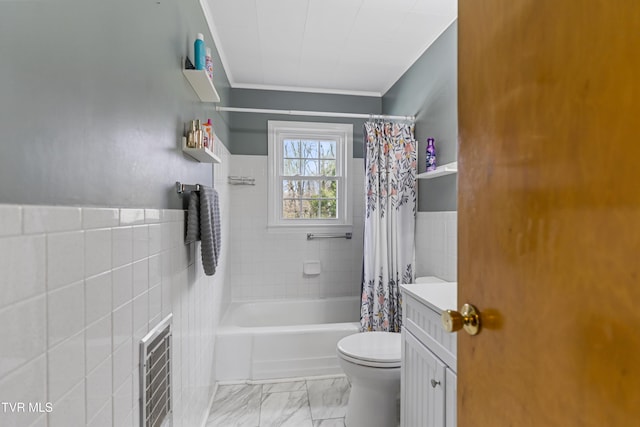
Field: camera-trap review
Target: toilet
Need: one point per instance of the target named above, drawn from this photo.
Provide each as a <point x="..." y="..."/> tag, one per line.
<point x="372" y="362"/>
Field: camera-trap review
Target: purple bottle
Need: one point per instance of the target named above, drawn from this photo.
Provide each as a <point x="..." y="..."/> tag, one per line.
<point x="431" y="155"/>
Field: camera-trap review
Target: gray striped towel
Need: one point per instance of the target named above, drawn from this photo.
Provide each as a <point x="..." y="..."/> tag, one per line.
<point x="203" y="223"/>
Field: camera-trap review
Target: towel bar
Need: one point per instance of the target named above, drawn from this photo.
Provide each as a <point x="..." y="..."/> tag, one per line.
<point x="311" y="236"/>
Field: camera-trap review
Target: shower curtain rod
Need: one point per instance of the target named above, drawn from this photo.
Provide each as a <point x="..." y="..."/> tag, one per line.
<point x="314" y="113"/>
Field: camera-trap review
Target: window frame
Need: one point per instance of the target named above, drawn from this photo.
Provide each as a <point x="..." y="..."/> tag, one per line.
<point x="342" y="133"/>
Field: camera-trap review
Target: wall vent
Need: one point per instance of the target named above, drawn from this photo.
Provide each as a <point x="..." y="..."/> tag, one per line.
<point x="155" y="376"/>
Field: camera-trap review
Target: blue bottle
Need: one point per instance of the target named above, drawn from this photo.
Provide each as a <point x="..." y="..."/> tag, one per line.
<point x="199" y="52"/>
<point x="431" y="155"/>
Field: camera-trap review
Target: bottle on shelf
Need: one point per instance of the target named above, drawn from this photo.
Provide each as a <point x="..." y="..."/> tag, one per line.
<point x="191" y="135"/>
<point x="199" y="52"/>
<point x="198" y="137"/>
<point x="431" y="155"/>
<point x="208" y="63"/>
<point x="207" y="135"/>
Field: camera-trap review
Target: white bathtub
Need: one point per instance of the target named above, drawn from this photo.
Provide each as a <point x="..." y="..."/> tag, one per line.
<point x="283" y="339"/>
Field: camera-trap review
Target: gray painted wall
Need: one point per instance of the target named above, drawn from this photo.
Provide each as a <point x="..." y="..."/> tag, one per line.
<point x="249" y="130"/>
<point x="429" y="90"/>
<point x="93" y="102"/>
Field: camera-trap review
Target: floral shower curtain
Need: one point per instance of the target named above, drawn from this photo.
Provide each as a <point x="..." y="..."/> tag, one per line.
<point x="390" y="169"/>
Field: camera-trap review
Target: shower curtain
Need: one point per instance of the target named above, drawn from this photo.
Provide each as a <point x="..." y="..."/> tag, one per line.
<point x="390" y="179"/>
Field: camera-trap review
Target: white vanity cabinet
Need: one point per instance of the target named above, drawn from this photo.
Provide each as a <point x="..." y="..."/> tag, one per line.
<point x="428" y="375"/>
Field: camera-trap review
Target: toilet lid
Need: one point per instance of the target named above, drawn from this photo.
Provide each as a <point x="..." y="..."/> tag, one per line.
<point x="372" y="348"/>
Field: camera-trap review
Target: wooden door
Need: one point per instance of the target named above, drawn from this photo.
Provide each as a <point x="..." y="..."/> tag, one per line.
<point x="549" y="212"/>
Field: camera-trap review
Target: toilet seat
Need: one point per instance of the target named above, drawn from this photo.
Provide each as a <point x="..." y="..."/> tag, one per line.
<point x="373" y="349"/>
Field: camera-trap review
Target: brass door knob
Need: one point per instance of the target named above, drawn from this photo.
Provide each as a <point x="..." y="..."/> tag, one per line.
<point x="468" y="318"/>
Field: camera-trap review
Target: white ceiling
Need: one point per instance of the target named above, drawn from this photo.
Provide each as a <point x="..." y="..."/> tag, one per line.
<point x="357" y="47"/>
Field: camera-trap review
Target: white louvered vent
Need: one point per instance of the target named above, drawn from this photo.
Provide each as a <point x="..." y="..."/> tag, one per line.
<point x="155" y="376"/>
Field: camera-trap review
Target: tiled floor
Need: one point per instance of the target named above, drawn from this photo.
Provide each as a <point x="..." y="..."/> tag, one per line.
<point x="306" y="403"/>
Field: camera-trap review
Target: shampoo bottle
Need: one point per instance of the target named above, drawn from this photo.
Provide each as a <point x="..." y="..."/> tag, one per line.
<point x="199" y="52"/>
<point x="431" y="155"/>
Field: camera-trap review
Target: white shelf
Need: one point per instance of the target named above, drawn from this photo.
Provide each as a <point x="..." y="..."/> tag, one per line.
<point x="202" y="85"/>
<point x="443" y="170"/>
<point x="203" y="155"/>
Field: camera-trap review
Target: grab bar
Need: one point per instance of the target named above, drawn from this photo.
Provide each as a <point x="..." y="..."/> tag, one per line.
<point x="311" y="236"/>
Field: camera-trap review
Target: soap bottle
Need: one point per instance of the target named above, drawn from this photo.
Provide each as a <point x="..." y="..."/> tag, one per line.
<point x="208" y="63"/>
<point x="199" y="52"/>
<point x="207" y="135"/>
<point x="431" y="155"/>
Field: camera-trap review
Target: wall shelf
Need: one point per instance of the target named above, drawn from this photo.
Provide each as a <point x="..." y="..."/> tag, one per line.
<point x="202" y="85"/>
<point x="203" y="155"/>
<point x="443" y="170"/>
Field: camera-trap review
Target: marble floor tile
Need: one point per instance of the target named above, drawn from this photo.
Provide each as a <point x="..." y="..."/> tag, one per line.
<point x="282" y="404"/>
<point x="333" y="422"/>
<point x="286" y="409"/>
<point x="280" y="387"/>
<point x="328" y="398"/>
<point x="236" y="406"/>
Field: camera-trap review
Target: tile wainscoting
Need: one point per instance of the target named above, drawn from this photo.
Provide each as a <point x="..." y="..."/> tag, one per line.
<point x="79" y="288"/>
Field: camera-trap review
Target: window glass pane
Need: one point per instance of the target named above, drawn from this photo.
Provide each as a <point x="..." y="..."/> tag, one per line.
<point x="310" y="209"/>
<point x="310" y="149"/>
<point x="311" y="167"/>
<point x="291" y="167"/>
<point x="291" y="188"/>
<point x="328" y="167"/>
<point x="328" y="189"/>
<point x="291" y="148"/>
<point x="311" y="188"/>
<point x="327" y="149"/>
<point x="290" y="209"/>
<point x="328" y="208"/>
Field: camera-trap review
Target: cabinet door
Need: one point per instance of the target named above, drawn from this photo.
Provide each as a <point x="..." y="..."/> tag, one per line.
<point x="450" y="389"/>
<point x="423" y="385"/>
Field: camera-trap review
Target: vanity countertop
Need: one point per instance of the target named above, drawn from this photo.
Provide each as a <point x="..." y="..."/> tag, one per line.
<point x="436" y="294"/>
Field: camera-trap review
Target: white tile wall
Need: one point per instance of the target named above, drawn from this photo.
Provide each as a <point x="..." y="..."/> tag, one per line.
<point x="436" y="245"/>
<point x="99" y="387"/>
<point x="23" y="334"/>
<point x="65" y="258"/>
<point x="23" y="267"/>
<point x="26" y="384"/>
<point x="10" y="220"/>
<point x="97" y="338"/>
<point x="81" y="286"/>
<point x="100" y="217"/>
<point x="65" y="367"/>
<point x="65" y="312"/>
<point x="48" y="219"/>
<point x="70" y="411"/>
<point x="268" y="265"/>
<point x="97" y="257"/>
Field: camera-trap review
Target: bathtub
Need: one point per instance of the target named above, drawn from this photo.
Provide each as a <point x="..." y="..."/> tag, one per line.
<point x="283" y="339"/>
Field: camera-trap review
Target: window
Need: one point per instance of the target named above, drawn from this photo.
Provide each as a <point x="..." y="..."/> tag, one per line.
<point x="308" y="180"/>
